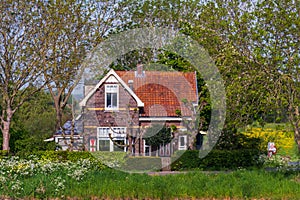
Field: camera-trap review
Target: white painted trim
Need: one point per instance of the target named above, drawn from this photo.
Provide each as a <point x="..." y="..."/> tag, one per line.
<point x="149" y="146"/>
<point x="106" y="137"/>
<point x="163" y="118"/>
<point x="113" y="73"/>
<point x="182" y="147"/>
<point x="78" y="117"/>
<point x="49" y="139"/>
<point x="183" y="129"/>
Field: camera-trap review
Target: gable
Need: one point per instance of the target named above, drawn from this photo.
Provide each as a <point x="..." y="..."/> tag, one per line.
<point x="111" y="77"/>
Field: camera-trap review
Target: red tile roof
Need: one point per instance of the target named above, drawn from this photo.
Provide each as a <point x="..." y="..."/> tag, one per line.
<point x="162" y="92"/>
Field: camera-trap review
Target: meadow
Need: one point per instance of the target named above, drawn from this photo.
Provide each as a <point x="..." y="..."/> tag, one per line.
<point x="82" y="175"/>
<point x="86" y="179"/>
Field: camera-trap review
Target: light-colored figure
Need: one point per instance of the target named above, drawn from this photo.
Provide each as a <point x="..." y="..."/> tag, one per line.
<point x="271" y="149"/>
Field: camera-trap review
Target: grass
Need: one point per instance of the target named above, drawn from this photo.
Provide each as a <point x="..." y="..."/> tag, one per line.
<point x="113" y="184"/>
<point x="41" y="179"/>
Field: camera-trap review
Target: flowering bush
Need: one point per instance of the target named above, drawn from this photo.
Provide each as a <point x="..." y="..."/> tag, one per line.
<point x="13" y="171"/>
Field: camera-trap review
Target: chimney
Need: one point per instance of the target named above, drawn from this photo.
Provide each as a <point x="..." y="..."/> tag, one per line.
<point x="139" y="71"/>
<point x="130" y="83"/>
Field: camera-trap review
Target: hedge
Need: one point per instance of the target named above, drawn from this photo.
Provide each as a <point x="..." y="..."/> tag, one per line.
<point x="187" y="160"/>
<point x="218" y="160"/>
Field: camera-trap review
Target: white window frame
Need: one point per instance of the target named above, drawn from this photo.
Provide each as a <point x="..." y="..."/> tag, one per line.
<point x="111" y="88"/>
<point x="146" y="146"/>
<point x="104" y="135"/>
<point x="182" y="147"/>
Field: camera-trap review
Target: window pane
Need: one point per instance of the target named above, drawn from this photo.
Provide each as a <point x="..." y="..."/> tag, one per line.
<point x="111" y="92"/>
<point x="104" y="145"/>
<point x="147" y="151"/>
<point x="111" y="100"/>
<point x="182" y="141"/>
<point x="114" y="100"/>
<point x="108" y="100"/>
<point x="118" y="148"/>
<point x="111" y="88"/>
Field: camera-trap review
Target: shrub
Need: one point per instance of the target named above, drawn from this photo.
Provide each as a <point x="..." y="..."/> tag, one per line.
<point x="73" y="156"/>
<point x="110" y="159"/>
<point x="218" y="160"/>
<point x="282" y="136"/>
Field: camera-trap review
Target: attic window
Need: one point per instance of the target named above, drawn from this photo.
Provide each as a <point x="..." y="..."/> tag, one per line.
<point x="111" y="97"/>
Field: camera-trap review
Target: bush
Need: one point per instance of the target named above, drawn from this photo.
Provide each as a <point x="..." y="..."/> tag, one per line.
<point x="281" y="135"/>
<point x="3" y="153"/>
<point x="110" y="159"/>
<point x="73" y="156"/>
<point x="218" y="160"/>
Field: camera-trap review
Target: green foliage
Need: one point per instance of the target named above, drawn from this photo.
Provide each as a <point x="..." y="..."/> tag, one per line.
<point x="33" y="179"/>
<point x="158" y="134"/>
<point x="53" y="155"/>
<point x="110" y="159"/>
<point x="259" y="66"/>
<point x="231" y="139"/>
<point x="3" y="153"/>
<point x="32" y="123"/>
<point x="218" y="160"/>
<point x="282" y="135"/>
<point x="178" y="112"/>
<point x="66" y="156"/>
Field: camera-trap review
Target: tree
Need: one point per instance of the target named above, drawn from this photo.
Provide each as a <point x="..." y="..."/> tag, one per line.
<point x="277" y="49"/>
<point x="67" y="30"/>
<point x="163" y="13"/>
<point x="32" y="124"/>
<point x="157" y="135"/>
<point x="20" y="64"/>
<point x="173" y="15"/>
<point x="73" y="29"/>
<point x="265" y="35"/>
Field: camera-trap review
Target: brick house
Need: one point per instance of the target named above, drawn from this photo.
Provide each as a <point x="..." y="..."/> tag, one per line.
<point x="120" y="107"/>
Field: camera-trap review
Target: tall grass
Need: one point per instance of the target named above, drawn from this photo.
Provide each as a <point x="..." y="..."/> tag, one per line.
<point x="85" y="179"/>
<point x="114" y="184"/>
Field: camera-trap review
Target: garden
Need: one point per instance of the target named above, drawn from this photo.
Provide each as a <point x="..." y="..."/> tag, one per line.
<point x="242" y="172"/>
<point x="82" y="175"/>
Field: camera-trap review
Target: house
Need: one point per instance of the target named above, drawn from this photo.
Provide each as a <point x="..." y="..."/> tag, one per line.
<point x="70" y="136"/>
<point x="120" y="107"/>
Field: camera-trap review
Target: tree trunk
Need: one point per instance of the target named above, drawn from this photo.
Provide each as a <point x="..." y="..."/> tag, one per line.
<point x="58" y="116"/>
<point x="297" y="136"/>
<point x="6" y="135"/>
<point x="58" y="120"/>
<point x="295" y="121"/>
<point x="297" y="127"/>
<point x="5" y="127"/>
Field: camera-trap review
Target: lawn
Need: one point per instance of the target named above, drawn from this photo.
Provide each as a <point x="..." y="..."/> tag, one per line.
<point x="80" y="175"/>
<point x="85" y="179"/>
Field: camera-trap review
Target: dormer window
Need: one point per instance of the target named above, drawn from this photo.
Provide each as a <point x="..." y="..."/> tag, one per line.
<point x="111" y="97"/>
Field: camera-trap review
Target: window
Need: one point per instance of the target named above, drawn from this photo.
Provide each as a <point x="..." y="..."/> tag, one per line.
<point x="111" y="96"/>
<point x="182" y="142"/>
<point x="147" y="149"/>
<point x="105" y="143"/>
